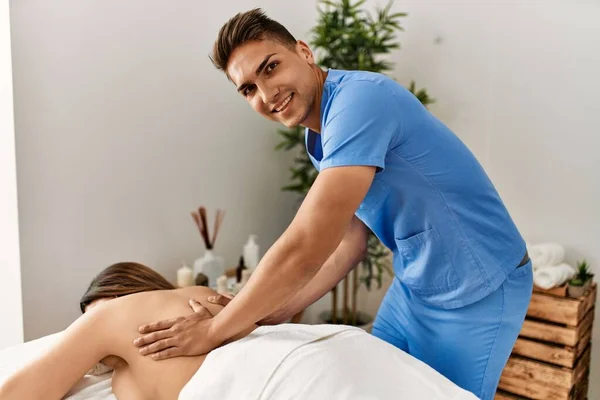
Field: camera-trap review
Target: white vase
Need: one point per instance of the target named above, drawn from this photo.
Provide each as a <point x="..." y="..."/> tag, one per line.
<point x="210" y="265"/>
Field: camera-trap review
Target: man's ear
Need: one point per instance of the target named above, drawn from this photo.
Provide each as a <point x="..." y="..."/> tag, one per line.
<point x="305" y="52"/>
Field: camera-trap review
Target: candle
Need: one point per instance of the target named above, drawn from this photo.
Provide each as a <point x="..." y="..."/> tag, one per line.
<point x="185" y="276"/>
<point x="222" y="284"/>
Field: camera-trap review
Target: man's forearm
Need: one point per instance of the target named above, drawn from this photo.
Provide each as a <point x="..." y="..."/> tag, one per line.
<point x="288" y="265"/>
<point x="348" y="254"/>
<point x="315" y="233"/>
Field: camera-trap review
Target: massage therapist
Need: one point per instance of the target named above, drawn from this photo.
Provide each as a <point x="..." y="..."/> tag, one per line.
<point x="463" y="278"/>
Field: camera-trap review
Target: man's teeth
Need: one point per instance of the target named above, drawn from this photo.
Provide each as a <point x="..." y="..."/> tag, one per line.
<point x="285" y="102"/>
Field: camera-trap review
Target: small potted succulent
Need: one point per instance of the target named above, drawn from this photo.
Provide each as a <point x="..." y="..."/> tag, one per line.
<point x="582" y="280"/>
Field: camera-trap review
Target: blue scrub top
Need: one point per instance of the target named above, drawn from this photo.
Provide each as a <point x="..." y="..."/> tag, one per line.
<point x="431" y="203"/>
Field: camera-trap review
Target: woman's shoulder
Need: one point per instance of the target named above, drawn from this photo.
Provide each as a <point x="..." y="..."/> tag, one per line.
<point x="195" y="291"/>
<point x="144" y="304"/>
<point x="152" y="304"/>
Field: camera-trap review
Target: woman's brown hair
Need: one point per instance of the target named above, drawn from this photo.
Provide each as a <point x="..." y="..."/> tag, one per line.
<point x="121" y="279"/>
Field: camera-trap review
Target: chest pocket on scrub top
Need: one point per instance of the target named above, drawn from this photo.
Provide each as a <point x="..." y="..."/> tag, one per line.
<point x="427" y="268"/>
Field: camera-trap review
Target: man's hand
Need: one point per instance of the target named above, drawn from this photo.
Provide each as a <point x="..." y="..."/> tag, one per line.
<point x="221" y="299"/>
<point x="183" y="336"/>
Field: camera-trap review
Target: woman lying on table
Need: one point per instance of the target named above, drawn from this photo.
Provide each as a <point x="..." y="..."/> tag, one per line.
<point x="278" y="362"/>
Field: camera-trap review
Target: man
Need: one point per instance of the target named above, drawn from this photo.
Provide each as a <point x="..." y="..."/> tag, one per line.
<point x="463" y="279"/>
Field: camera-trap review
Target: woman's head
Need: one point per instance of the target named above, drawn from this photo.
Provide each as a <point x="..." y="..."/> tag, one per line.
<point x="122" y="279"/>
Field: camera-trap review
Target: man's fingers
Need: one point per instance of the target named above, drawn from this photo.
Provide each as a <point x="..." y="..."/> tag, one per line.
<point x="158" y="346"/>
<point x="221" y="299"/>
<point x="160" y="325"/>
<point x="200" y="313"/>
<point x="197" y="307"/>
<point x="168" y="353"/>
<point x="152" y="337"/>
<point x="203" y="311"/>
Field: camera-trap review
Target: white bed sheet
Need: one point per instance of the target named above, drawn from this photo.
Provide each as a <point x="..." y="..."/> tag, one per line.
<point x="90" y="387"/>
<point x="260" y="366"/>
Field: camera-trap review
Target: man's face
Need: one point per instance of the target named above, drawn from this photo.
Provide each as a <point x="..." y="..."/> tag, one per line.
<point x="278" y="82"/>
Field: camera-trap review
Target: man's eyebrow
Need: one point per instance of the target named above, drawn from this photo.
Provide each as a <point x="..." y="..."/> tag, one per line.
<point x="258" y="70"/>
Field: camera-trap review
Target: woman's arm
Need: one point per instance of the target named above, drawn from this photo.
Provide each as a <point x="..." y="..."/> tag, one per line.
<point x="55" y="372"/>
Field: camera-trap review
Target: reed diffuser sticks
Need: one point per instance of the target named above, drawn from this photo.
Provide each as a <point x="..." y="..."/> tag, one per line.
<point x="201" y="220"/>
<point x="218" y="220"/>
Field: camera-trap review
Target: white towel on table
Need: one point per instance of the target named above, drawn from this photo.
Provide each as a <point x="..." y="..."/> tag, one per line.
<point x="546" y="254"/>
<point x="316" y="362"/>
<point x="550" y="276"/>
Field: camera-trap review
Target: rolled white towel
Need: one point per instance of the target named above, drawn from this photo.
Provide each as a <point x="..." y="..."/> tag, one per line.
<point x="547" y="277"/>
<point x="546" y="254"/>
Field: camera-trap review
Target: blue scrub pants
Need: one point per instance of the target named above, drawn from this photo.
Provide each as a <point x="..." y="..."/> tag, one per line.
<point x="469" y="345"/>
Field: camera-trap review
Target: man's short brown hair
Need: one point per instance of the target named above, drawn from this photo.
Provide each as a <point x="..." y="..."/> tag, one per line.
<point x="246" y="27"/>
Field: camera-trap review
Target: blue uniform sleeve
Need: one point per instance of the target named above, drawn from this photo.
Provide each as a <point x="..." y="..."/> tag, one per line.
<point x="361" y="125"/>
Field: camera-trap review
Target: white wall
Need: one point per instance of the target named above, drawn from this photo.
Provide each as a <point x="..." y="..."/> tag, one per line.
<point x="123" y="127"/>
<point x="518" y="82"/>
<point x="10" y="284"/>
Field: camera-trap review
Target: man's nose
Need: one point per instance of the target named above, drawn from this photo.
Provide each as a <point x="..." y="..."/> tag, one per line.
<point x="269" y="94"/>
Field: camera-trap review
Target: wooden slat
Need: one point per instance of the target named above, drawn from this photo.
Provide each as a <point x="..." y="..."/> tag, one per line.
<point x="532" y="390"/>
<point x="585" y="340"/>
<point x="550" y="333"/>
<point x="558" y="355"/>
<point x="580" y="390"/>
<point x="560" y="291"/>
<point x="588" y="301"/>
<point x="586" y="322"/>
<point x="534" y="371"/>
<point x="563" y="310"/>
<point x="583" y="364"/>
<point x="559" y="334"/>
<point x="554" y="309"/>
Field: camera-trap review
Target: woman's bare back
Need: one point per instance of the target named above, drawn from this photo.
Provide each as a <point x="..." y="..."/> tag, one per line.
<point x="140" y="377"/>
<point x="107" y="332"/>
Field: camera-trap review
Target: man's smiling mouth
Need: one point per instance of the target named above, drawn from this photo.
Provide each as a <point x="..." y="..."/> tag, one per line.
<point x="284" y="104"/>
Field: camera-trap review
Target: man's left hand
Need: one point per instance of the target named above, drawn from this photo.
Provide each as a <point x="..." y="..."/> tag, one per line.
<point x="183" y="336"/>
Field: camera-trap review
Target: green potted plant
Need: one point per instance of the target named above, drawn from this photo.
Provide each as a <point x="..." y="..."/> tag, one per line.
<point x="579" y="284"/>
<point x="348" y="37"/>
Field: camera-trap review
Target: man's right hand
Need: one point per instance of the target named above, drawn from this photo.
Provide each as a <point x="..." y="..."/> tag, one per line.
<point x="224" y="299"/>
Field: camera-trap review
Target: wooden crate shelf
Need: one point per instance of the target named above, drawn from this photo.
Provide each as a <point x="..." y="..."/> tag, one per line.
<point x="561" y="309"/>
<point x="551" y="357"/>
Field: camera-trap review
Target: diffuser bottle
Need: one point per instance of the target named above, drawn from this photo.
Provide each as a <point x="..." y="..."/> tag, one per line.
<point x="251" y="252"/>
<point x="210" y="265"/>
